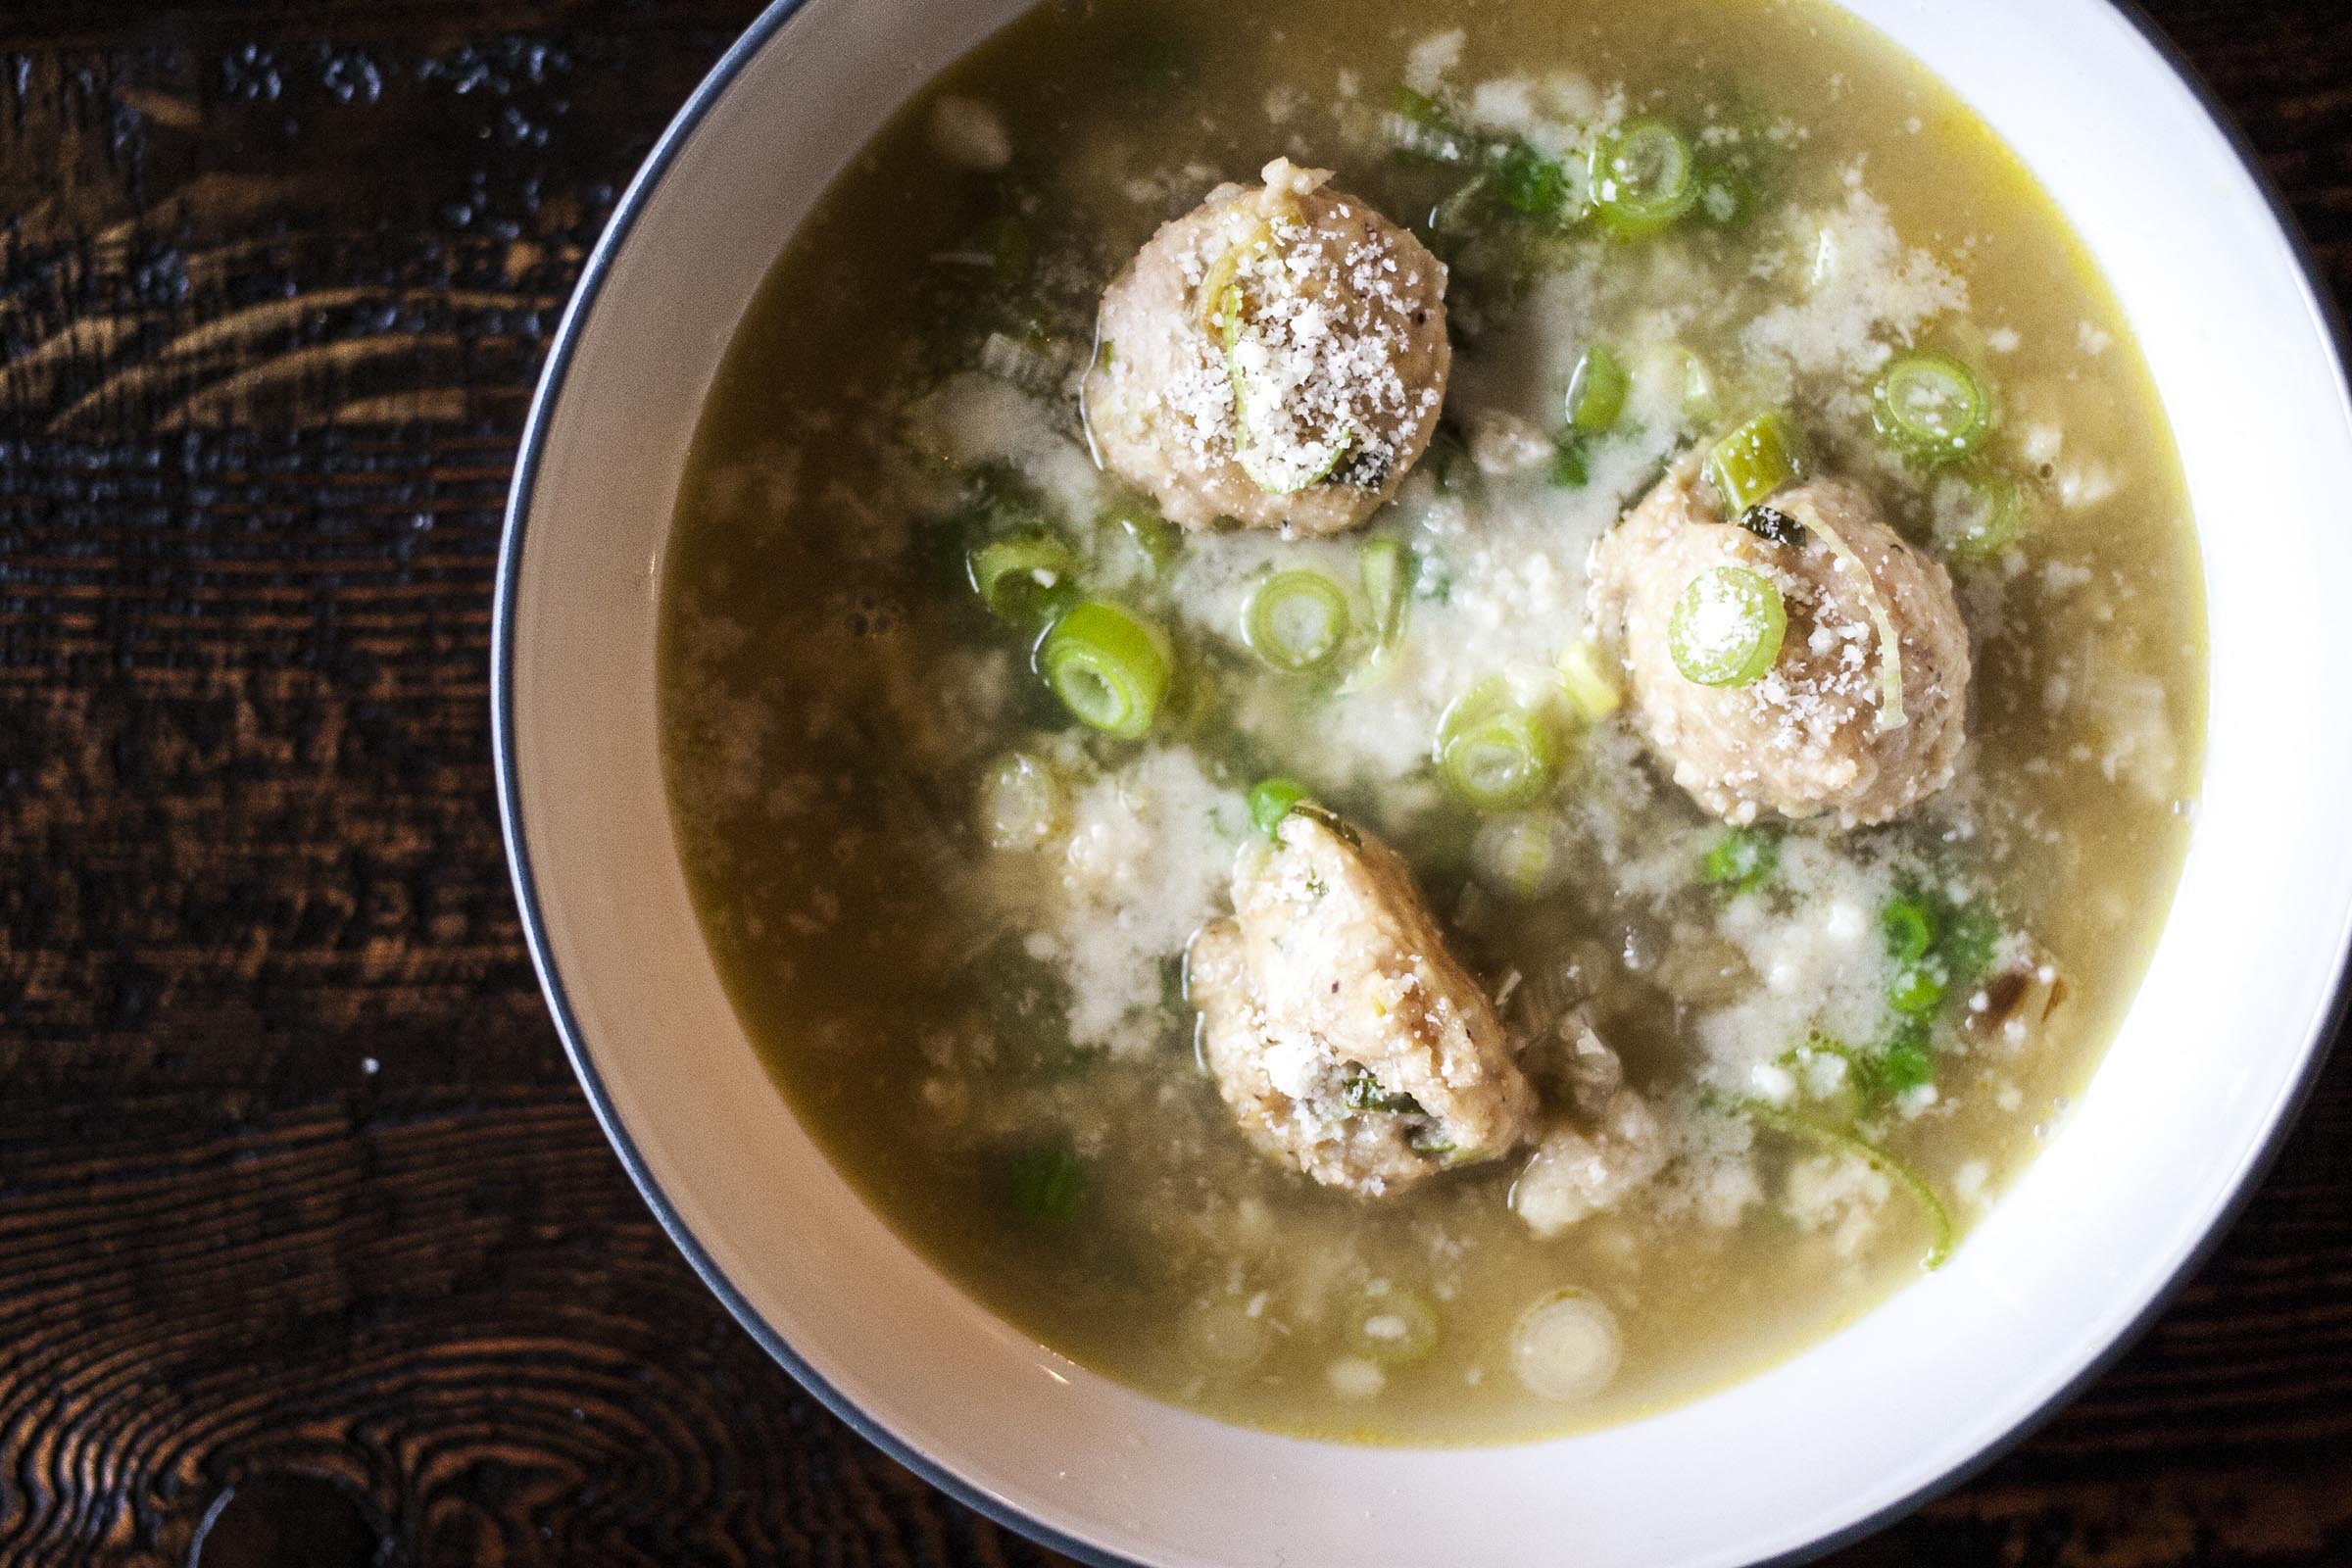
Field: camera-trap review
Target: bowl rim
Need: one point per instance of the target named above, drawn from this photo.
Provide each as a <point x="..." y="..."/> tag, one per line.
<point x="2330" y="1023"/>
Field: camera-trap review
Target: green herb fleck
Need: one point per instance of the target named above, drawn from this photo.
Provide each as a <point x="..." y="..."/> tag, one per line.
<point x="1362" y="1093"/>
<point x="1571" y="467"/>
<point x="1742" y="859"/>
<point x="1048" y="1183"/>
<point x="1918" y="988"/>
<point x="1970" y="933"/>
<point x="1909" y="1063"/>
<point x="1910" y="929"/>
<point x="1528" y="182"/>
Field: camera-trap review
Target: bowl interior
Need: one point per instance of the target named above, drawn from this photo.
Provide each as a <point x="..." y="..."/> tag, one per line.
<point x="2184" y="1109"/>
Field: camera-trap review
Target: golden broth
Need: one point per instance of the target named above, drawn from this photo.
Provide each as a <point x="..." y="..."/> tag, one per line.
<point x="834" y="703"/>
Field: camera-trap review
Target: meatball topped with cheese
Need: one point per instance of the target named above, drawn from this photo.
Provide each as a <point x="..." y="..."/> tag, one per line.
<point x="1801" y="659"/>
<point x="1345" y="1038"/>
<point x="1277" y="356"/>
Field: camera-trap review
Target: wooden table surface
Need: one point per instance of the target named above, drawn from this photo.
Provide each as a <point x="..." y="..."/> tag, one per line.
<point x="309" y="1251"/>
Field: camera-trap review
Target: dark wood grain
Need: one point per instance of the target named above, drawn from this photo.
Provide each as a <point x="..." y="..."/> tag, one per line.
<point x="310" y="1250"/>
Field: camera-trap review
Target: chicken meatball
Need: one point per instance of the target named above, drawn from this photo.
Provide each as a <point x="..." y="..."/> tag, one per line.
<point x="1343" y="1037"/>
<point x="1276" y="355"/>
<point x="1861" y="710"/>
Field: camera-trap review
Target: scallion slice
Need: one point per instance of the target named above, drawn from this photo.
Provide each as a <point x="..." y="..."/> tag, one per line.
<point x="1152" y="536"/>
<point x="1589" y="683"/>
<point x="1988" y="519"/>
<point x="1296" y="620"/>
<point x="1931" y="408"/>
<point x="1596" y="390"/>
<point x="1939" y="1218"/>
<point x="1025" y="581"/>
<point x="1643" y="178"/>
<point x="1671" y="373"/>
<point x="1917" y="989"/>
<point x="1420" y="127"/>
<point x="1726" y="627"/>
<point x="1530" y="184"/>
<point x="1110" y="666"/>
<point x="1909" y="927"/>
<point x="1891" y="714"/>
<point x="1220" y="304"/>
<point x="1392" y="1325"/>
<point x="1021" y="803"/>
<point x="1287" y="472"/>
<point x="1760" y="457"/>
<point x="1271" y="800"/>
<point x="1495" y="753"/>
<point x="1701" y="403"/>
<point x="1520" y="855"/>
<point x="1385" y="588"/>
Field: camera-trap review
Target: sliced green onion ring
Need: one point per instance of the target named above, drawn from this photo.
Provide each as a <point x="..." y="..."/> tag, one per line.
<point x="1271" y="800"/>
<point x="1153" y="537"/>
<point x="1932" y="408"/>
<point x="1909" y="927"/>
<point x="1764" y="455"/>
<point x="1520" y="855"/>
<point x="1021" y="803"/>
<point x="1590" y="681"/>
<point x="1296" y="620"/>
<point x="1495" y="753"/>
<point x="1643" y="178"/>
<point x="1596" y="390"/>
<point x="1528" y="182"/>
<point x="1699" y="400"/>
<point x="1110" y="666"/>
<point x="1386" y="569"/>
<point x="1383" y="570"/>
<point x="1939" y="1218"/>
<point x="1726" y="627"/>
<point x="1672" y="374"/>
<point x="1280" y="473"/>
<point x="1422" y="127"/>
<point x="1917" y="989"/>
<point x="1026" y="580"/>
<point x="1220" y="304"/>
<point x="1392" y="1325"/>
<point x="1891" y="647"/>
<point x="1992" y="517"/>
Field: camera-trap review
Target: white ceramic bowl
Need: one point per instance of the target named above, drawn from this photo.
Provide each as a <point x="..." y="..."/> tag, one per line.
<point x="2173" y="1130"/>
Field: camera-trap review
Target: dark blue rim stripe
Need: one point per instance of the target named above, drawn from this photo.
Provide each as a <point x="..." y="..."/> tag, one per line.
<point x="510" y="809"/>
